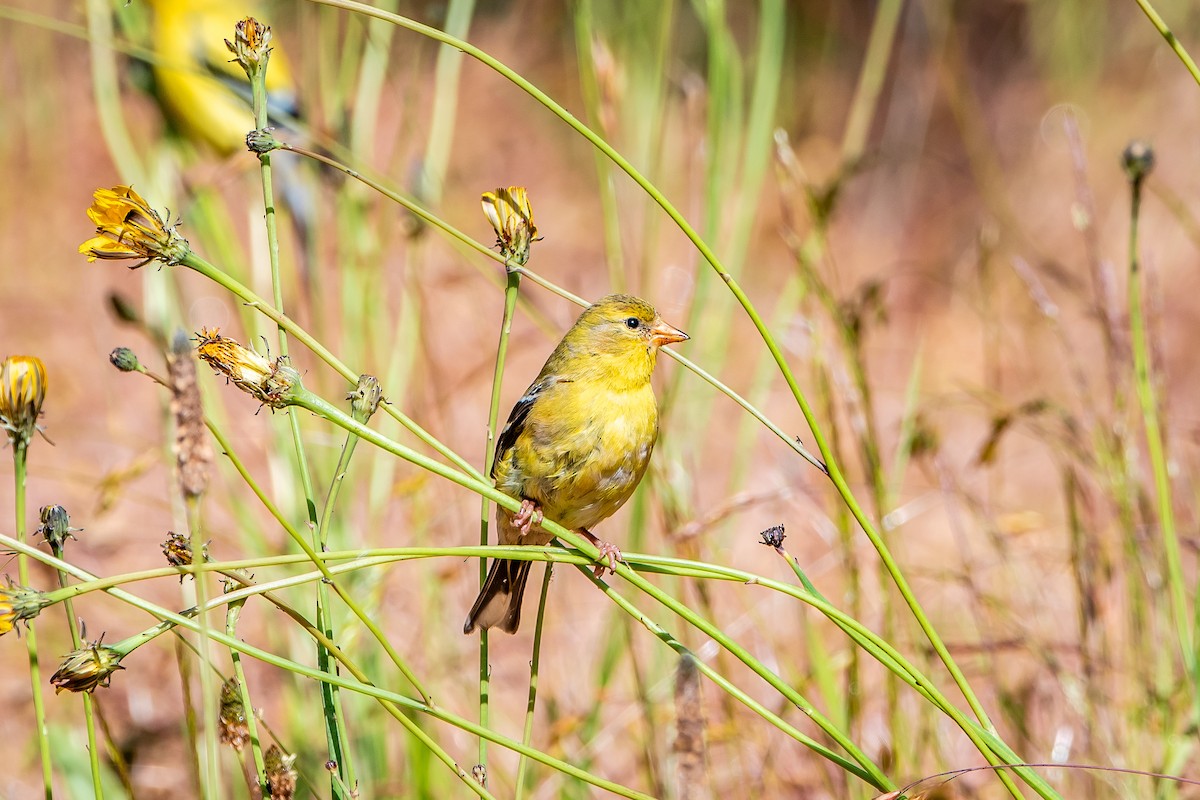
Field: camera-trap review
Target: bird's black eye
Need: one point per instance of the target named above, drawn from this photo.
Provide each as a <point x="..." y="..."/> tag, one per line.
<point x="632" y="323"/>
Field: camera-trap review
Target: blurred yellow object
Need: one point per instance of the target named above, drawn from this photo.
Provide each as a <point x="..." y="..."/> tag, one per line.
<point x="202" y="89"/>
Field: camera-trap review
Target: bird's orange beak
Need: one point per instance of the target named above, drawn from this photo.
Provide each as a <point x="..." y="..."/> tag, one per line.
<point x="661" y="333"/>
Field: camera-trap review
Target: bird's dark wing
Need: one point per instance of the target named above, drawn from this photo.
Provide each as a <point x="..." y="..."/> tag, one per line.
<point x="518" y="417"/>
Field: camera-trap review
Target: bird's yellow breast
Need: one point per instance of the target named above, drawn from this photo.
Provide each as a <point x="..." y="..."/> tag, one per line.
<point x="583" y="450"/>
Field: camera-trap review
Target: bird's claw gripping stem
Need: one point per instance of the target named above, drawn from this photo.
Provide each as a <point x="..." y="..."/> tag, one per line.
<point x="529" y="516"/>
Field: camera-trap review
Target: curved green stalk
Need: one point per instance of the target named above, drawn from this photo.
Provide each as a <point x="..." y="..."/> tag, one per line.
<point x="511" y="292"/>
<point x="89" y="710"/>
<point x="1143" y="382"/>
<point x="20" y="451"/>
<point x="534" y="661"/>
<point x="319" y="561"/>
<point x="331" y="710"/>
<point x="232" y="613"/>
<point x="306" y="399"/>
<point x="360" y="685"/>
<point x="1161" y="26"/>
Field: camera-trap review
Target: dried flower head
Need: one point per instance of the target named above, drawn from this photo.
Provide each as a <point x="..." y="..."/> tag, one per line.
<point x="56" y="526"/>
<point x="271" y="381"/>
<point x="281" y="774"/>
<point x="251" y="45"/>
<point x="365" y="397"/>
<point x="193" y="453"/>
<point x="128" y="228"/>
<point x="773" y="536"/>
<point x="84" y="669"/>
<point x="512" y="218"/>
<point x="22" y="392"/>
<point x="233" y="728"/>
<point x="18" y="603"/>
<point x="1138" y="161"/>
<point x="178" y="550"/>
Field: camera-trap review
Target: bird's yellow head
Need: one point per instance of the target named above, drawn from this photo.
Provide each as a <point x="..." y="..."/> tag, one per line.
<point x="617" y="338"/>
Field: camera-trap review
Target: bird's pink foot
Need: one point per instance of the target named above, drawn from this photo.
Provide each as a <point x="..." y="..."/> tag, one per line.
<point x="529" y="515"/>
<point x="608" y="552"/>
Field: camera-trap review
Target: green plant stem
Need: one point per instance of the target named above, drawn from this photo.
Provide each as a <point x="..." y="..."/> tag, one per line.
<point x="335" y="725"/>
<point x="885" y="653"/>
<point x="306" y="399"/>
<point x="89" y="711"/>
<point x="1161" y="26"/>
<point x="511" y="292"/>
<point x="318" y="560"/>
<point x="203" y="267"/>
<point x="534" y="661"/>
<point x="20" y="451"/>
<point x="360" y="685"/>
<point x="232" y="613"/>
<point x="1147" y="397"/>
<point x="331" y="711"/>
<point x="208" y="694"/>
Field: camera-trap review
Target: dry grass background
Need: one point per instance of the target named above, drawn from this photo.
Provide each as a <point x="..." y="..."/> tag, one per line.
<point x="967" y="171"/>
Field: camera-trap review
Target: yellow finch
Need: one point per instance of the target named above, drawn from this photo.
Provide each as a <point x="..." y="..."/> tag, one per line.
<point x="577" y="443"/>
<point x="205" y="94"/>
<point x="202" y="89"/>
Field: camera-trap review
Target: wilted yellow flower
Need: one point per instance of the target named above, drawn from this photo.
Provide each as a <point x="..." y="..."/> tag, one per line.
<point x="250" y="45"/>
<point x="22" y="392"/>
<point x="512" y="218"/>
<point x="18" y="603"/>
<point x="128" y="228"/>
<point x="269" y="381"/>
<point x="84" y="669"/>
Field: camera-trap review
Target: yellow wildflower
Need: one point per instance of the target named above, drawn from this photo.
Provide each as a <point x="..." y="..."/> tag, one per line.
<point x="128" y="228"/>
<point x="22" y="392"/>
<point x="512" y="218"/>
<point x="18" y="603"/>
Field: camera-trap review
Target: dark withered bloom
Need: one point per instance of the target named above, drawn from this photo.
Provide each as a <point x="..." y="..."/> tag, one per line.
<point x="85" y="669"/>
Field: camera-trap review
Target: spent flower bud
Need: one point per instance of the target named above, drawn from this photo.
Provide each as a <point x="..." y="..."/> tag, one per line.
<point x="281" y="774"/>
<point x="233" y="728"/>
<point x="512" y="218"/>
<point x="18" y="603"/>
<point x="271" y="381"/>
<point x="86" y="668"/>
<point x="365" y="397"/>
<point x="56" y="526"/>
<point x="1138" y="161"/>
<point x="251" y="45"/>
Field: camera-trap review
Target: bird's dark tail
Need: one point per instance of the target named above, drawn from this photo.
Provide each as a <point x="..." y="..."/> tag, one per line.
<point x="499" y="601"/>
